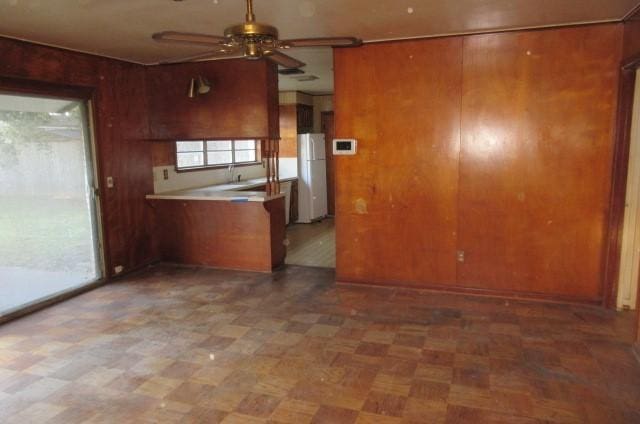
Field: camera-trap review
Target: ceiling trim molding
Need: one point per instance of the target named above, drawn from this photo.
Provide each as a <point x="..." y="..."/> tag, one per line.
<point x="69" y="49"/>
<point x="495" y="31"/>
<point x="375" y="41"/>
<point x="632" y="13"/>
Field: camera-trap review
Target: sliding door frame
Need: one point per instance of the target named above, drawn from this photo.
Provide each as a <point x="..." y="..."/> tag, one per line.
<point x="613" y="249"/>
<point x="87" y="95"/>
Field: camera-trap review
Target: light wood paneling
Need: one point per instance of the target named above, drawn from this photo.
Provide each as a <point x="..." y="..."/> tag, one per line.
<point x="396" y="199"/>
<point x="538" y="117"/>
<point x="530" y="201"/>
<point x="288" y="131"/>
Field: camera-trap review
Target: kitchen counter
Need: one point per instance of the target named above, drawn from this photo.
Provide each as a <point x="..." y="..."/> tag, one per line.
<point x="230" y="192"/>
<point x="232" y="228"/>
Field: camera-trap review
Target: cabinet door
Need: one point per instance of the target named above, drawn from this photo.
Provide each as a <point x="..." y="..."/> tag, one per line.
<point x="305" y="118"/>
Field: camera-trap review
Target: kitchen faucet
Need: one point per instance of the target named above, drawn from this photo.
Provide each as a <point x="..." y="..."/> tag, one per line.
<point x="231" y="173"/>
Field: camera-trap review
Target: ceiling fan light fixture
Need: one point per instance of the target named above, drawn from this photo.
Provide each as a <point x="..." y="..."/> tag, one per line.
<point x="251" y="40"/>
<point x="203" y="84"/>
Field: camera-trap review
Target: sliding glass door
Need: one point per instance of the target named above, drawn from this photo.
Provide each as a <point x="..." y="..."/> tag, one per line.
<point x="49" y="233"/>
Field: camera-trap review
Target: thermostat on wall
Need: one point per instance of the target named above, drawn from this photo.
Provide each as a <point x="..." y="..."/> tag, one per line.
<point x="344" y="146"/>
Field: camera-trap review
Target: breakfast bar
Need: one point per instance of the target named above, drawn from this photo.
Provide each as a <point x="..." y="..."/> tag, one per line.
<point x="240" y="230"/>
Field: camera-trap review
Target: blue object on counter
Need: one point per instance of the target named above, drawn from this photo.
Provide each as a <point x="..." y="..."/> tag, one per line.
<point x="239" y="199"/>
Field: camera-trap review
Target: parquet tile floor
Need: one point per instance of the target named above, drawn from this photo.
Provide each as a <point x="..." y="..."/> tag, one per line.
<point x="191" y="345"/>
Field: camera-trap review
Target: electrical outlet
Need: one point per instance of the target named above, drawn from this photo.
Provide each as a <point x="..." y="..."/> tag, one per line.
<point x="460" y="255"/>
<point x="165" y="174"/>
<point x="109" y="182"/>
<point x="118" y="269"/>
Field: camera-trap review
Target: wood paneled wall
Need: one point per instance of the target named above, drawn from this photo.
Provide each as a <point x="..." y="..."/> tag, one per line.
<point x="396" y="199"/>
<point x="120" y="112"/>
<point x="243" y="101"/>
<point x="498" y="147"/>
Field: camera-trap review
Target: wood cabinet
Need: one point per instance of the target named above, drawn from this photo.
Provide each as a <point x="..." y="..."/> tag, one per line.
<point x="288" y="131"/>
<point x="233" y="235"/>
<point x="293" y="199"/>
<point x="243" y="101"/>
<point x="294" y="119"/>
<point x="304" y="118"/>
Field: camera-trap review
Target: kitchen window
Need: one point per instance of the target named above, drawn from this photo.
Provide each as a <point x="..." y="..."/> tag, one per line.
<point x="215" y="153"/>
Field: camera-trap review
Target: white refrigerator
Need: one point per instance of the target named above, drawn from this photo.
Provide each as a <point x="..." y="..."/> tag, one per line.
<point x="312" y="178"/>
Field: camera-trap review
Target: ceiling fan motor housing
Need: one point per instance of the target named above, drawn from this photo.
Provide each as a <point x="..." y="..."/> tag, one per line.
<point x="252" y="30"/>
<point x="255" y="36"/>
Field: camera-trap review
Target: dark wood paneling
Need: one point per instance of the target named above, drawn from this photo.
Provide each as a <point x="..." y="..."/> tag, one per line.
<point x="328" y="128"/>
<point x="396" y="199"/>
<point x="120" y="115"/>
<point x="240" y="103"/>
<point x="163" y="154"/>
<point x="288" y="131"/>
<point x="244" y="236"/>
<point x="538" y="117"/>
<point x="122" y="111"/>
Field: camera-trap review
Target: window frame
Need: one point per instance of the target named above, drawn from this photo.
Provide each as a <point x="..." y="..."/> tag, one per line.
<point x="204" y="151"/>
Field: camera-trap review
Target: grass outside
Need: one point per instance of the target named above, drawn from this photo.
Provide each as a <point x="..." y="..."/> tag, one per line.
<point x="46" y="234"/>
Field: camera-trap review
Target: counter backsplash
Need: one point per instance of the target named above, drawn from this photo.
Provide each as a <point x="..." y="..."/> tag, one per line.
<point x="185" y="180"/>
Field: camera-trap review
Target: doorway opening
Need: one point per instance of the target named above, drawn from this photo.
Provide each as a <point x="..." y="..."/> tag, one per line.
<point x="49" y="231"/>
<point x="630" y="248"/>
<point x="314" y="243"/>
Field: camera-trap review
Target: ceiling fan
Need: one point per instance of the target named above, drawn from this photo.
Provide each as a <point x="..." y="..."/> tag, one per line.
<point x="250" y="40"/>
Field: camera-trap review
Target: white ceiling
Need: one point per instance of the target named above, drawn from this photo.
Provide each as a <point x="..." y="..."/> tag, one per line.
<point x="122" y="28"/>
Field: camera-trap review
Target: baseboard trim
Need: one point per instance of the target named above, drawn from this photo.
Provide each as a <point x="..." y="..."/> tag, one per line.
<point x="467" y="291"/>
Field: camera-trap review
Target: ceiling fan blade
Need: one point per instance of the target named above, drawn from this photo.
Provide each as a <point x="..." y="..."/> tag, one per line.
<point x="209" y="55"/>
<point x="284" y="60"/>
<point x="321" y="42"/>
<point x="188" y="38"/>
